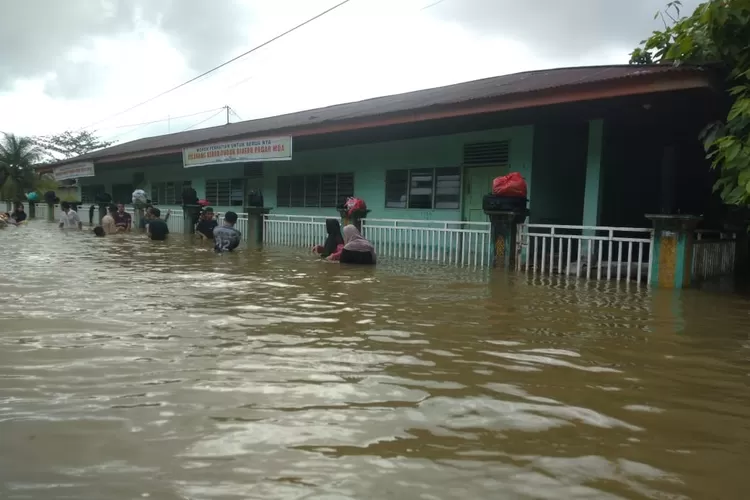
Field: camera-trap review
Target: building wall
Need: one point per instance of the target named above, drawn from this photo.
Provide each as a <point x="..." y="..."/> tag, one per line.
<point x="368" y="163"/>
<point x="559" y="175"/>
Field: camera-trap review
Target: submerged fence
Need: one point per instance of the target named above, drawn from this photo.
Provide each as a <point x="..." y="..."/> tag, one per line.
<point x="589" y="252"/>
<point x="449" y="242"/>
<point x="713" y="254"/>
<point x="592" y="252"/>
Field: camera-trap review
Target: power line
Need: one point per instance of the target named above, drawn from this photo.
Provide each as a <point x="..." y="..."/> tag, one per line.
<point x="433" y="4"/>
<point x="204" y="121"/>
<point x="257" y="47"/>
<point x="164" y="119"/>
<point x="235" y="113"/>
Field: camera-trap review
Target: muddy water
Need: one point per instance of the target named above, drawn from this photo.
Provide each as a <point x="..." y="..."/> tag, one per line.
<point x="131" y="369"/>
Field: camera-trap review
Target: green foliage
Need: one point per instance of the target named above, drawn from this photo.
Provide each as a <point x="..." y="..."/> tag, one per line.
<point x="18" y="155"/>
<point x="68" y="144"/>
<point x="716" y="33"/>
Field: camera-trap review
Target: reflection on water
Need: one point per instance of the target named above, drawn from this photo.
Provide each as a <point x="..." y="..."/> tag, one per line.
<point x="136" y="369"/>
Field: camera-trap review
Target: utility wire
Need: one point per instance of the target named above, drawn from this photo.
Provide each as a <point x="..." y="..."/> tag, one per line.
<point x="164" y="119"/>
<point x="204" y="121"/>
<point x="257" y="47"/>
<point x="231" y="110"/>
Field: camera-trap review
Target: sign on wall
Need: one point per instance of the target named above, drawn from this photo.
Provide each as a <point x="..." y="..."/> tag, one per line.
<point x="243" y="151"/>
<point x="74" y="171"/>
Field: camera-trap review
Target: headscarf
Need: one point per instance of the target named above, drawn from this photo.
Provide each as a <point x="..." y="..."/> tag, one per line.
<point x="334" y="239"/>
<point x="355" y="242"/>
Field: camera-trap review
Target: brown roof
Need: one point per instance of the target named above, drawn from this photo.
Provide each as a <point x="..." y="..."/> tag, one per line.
<point x="410" y="104"/>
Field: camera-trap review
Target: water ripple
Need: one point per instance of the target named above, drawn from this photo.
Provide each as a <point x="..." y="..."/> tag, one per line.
<point x="138" y="370"/>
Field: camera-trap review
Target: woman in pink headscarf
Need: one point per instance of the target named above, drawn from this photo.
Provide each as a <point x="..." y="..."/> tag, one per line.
<point x="356" y="250"/>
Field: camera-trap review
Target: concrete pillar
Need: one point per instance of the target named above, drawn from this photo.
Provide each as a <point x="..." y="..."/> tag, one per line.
<point x="255" y="224"/>
<point x="137" y="217"/>
<point x="50" y="212"/>
<point x="504" y="230"/>
<point x="592" y="200"/>
<point x="190" y="215"/>
<point x="32" y="210"/>
<point x="672" y="250"/>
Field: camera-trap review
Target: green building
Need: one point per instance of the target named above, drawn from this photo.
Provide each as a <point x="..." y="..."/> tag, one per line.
<point x="598" y="147"/>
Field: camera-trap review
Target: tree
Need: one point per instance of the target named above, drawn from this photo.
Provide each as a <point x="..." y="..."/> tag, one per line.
<point x="717" y="33"/>
<point x="69" y="144"/>
<point x="18" y="155"/>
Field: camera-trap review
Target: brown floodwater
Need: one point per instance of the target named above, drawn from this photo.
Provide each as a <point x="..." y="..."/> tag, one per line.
<point x="133" y="369"/>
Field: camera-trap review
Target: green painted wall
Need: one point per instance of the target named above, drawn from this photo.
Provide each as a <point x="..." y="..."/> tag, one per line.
<point x="368" y="162"/>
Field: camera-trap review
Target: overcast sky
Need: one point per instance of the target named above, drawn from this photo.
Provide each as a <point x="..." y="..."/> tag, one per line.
<point x="69" y="64"/>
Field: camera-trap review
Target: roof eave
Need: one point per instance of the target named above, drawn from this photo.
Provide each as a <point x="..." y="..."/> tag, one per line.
<point x="631" y="86"/>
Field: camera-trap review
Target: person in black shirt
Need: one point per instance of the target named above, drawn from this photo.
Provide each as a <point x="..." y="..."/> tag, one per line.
<point x="206" y="224"/>
<point x="156" y="228"/>
<point x="18" y="214"/>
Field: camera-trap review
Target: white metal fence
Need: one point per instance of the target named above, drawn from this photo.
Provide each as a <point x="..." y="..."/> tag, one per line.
<point x="449" y="242"/>
<point x="458" y="243"/>
<point x="294" y="230"/>
<point x="593" y="252"/>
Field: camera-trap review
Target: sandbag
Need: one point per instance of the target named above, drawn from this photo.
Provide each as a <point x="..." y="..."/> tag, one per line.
<point x="512" y="185"/>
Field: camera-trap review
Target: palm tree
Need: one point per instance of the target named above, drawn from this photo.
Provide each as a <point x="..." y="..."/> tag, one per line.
<point x="17" y="158"/>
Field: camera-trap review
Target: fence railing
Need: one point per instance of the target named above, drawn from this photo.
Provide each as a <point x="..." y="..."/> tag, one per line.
<point x="449" y="242"/>
<point x="458" y="243"/>
<point x="294" y="230"/>
<point x="713" y="257"/>
<point x="593" y="252"/>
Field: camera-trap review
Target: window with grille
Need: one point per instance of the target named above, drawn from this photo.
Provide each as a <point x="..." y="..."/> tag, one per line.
<point x="225" y="192"/>
<point x="168" y="193"/>
<point x="326" y="190"/>
<point x="89" y="193"/>
<point x="424" y="188"/>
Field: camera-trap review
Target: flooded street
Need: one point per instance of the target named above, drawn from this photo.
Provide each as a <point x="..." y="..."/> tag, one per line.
<point x="134" y="369"/>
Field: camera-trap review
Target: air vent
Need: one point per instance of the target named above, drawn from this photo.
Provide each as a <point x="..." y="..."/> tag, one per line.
<point x="253" y="170"/>
<point x="486" y="153"/>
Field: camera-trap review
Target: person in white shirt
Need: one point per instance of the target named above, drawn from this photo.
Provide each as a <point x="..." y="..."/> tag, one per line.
<point x="69" y="219"/>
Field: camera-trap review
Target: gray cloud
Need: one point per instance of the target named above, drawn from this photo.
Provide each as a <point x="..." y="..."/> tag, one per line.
<point x="559" y="28"/>
<point x="37" y="35"/>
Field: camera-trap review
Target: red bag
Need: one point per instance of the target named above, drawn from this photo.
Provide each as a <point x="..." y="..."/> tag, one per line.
<point x="512" y="185"/>
<point x="354" y="204"/>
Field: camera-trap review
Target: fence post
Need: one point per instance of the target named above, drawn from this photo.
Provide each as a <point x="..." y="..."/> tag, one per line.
<point x="672" y="245"/>
<point x="504" y="235"/>
<point x="50" y="212"/>
<point x="190" y="215"/>
<point x="32" y="210"/>
<point x="255" y="224"/>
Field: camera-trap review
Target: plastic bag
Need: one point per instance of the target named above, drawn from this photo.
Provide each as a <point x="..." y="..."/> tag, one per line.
<point x="354" y="205"/>
<point x="139" y="198"/>
<point x="512" y="185"/>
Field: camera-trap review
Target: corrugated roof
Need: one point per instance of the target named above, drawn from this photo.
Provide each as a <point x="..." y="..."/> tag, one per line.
<point x="488" y="88"/>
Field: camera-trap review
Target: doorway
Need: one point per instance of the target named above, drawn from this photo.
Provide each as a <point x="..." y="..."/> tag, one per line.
<point x="477" y="184"/>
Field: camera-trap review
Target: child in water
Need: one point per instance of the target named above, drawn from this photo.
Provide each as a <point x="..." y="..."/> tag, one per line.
<point x="99" y="232"/>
